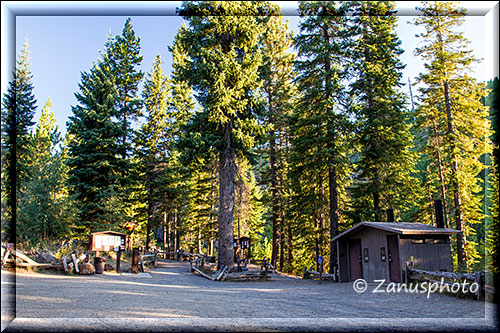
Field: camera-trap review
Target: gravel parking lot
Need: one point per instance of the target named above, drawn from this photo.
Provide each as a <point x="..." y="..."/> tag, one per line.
<point x="169" y="298"/>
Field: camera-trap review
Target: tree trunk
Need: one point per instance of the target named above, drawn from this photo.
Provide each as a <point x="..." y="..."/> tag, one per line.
<point x="290" y="248"/>
<point x="455" y="185"/>
<point x="199" y="239"/>
<point x="334" y="217"/>
<point x="212" y="214"/>
<point x="332" y="172"/>
<point x="226" y="201"/>
<point x="376" y="183"/>
<point x="274" y="188"/>
<point x="148" y="225"/>
<point x="175" y="231"/>
<point x="282" y="245"/>
<point x="376" y="205"/>
<point x="169" y="231"/>
<point x="165" y="240"/>
<point x="441" y="176"/>
<point x="316" y="249"/>
<point x="124" y="125"/>
<point x="321" y="228"/>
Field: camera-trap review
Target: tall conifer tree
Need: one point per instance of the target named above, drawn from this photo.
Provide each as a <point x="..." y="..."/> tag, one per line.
<point x="18" y="108"/>
<point x="93" y="160"/>
<point x="123" y="56"/>
<point x="454" y="99"/>
<point x="320" y="123"/>
<point x="223" y="61"/>
<point x="384" y="165"/>
<point x="154" y="140"/>
<point x="277" y="73"/>
<point x="45" y="208"/>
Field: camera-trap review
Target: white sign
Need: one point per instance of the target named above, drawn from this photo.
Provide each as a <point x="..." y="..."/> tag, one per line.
<point x="97" y="244"/>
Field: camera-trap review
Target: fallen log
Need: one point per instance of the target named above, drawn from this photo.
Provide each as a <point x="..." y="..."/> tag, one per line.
<point x="23" y="264"/>
<point x="24" y="257"/>
<point x="448" y="275"/>
<point x="247" y="275"/>
<point x="223" y="270"/>
<point x="203" y="274"/>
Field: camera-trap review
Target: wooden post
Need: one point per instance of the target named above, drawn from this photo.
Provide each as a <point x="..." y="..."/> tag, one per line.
<point x="135" y="261"/>
<point x="65" y="265"/>
<point x="75" y="262"/>
<point x="141" y="261"/>
<point x="5" y="256"/>
<point x="118" y="261"/>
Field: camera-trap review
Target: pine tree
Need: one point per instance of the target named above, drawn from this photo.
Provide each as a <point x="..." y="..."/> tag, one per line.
<point x="19" y="106"/>
<point x="93" y="160"/>
<point x="45" y="208"/>
<point x="154" y="139"/>
<point x="320" y="124"/>
<point x="200" y="217"/>
<point x="452" y="97"/>
<point x="249" y="209"/>
<point x="384" y="164"/>
<point x="123" y="56"/>
<point x="221" y="42"/>
<point x="177" y="175"/>
<point x="277" y="73"/>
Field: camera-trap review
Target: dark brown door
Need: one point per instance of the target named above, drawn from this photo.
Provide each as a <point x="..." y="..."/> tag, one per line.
<point x="356" y="270"/>
<point x="394" y="266"/>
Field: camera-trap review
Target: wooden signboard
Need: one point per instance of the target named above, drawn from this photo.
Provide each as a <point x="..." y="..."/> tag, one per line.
<point x="108" y="241"/>
<point x="245" y="243"/>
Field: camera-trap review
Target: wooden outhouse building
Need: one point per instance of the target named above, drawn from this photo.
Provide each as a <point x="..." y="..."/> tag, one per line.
<point x="380" y="250"/>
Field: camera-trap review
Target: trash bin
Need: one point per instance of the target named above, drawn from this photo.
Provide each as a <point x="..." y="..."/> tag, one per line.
<point x="99" y="264"/>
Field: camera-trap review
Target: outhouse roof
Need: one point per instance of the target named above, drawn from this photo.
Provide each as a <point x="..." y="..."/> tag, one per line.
<point x="109" y="233"/>
<point x="402" y="228"/>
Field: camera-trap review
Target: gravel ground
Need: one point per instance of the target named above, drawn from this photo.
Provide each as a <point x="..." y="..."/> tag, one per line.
<point x="169" y="298"/>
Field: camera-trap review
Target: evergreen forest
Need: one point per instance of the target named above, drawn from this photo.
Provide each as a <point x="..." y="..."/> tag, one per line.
<point x="286" y="138"/>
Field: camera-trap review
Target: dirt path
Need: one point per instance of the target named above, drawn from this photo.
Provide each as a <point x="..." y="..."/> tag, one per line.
<point x="172" y="295"/>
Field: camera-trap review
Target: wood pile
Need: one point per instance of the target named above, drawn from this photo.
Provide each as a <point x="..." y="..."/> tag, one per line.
<point x="310" y="274"/>
<point x="249" y="275"/>
<point x="226" y="273"/>
<point x="15" y="258"/>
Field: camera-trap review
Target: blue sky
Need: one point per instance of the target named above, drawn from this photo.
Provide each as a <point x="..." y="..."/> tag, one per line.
<point x="62" y="46"/>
